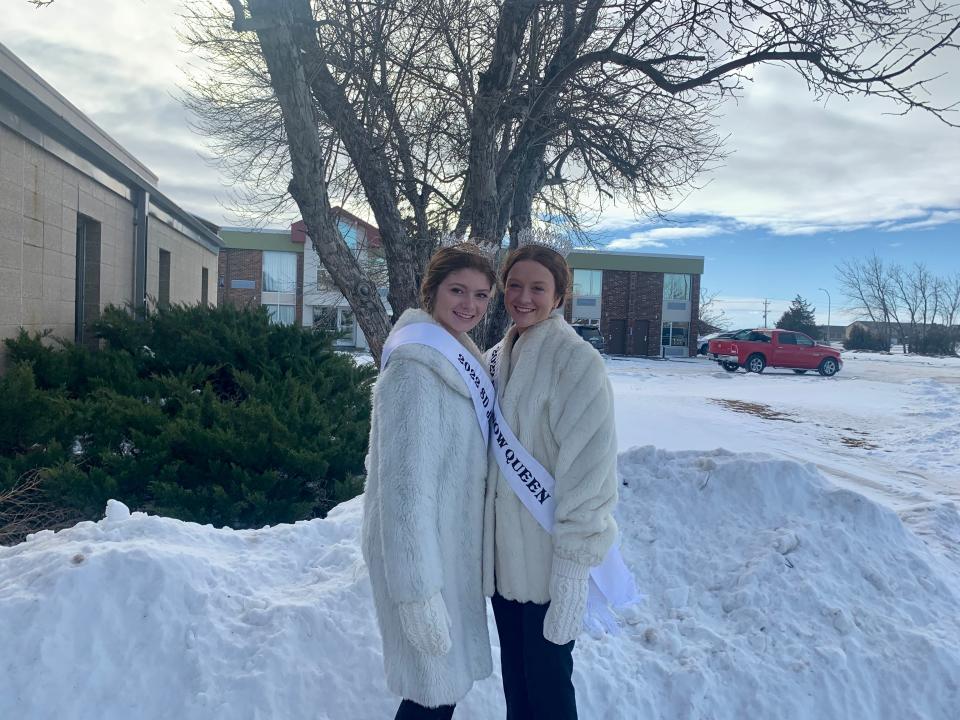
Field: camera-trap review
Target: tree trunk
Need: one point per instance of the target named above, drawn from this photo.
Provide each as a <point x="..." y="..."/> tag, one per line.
<point x="404" y="256"/>
<point x="526" y="186"/>
<point x="482" y="203"/>
<point x="308" y="184"/>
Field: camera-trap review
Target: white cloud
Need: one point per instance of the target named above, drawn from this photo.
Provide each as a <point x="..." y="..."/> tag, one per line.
<point x="119" y="62"/>
<point x="934" y="219"/>
<point x="797" y="167"/>
<point x="661" y="236"/>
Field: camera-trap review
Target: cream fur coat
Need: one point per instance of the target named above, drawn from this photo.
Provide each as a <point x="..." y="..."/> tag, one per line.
<point x="423" y="518"/>
<point x="554" y="394"/>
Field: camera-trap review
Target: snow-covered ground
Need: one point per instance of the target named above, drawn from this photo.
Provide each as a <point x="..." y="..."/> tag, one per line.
<point x="798" y="539"/>
<point x="887" y="426"/>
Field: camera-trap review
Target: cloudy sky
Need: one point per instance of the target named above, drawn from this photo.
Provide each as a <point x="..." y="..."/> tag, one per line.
<point x="806" y="184"/>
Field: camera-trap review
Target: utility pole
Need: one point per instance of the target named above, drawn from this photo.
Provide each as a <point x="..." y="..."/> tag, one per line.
<point x="766" y="309"/>
<point x="828" y="316"/>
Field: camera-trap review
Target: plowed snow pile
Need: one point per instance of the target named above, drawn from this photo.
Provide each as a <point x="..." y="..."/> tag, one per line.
<point x="771" y="594"/>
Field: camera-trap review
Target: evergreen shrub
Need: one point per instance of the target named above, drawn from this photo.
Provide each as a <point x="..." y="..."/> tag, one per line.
<point x="937" y="340"/>
<point x="213" y="415"/>
<point x="862" y="339"/>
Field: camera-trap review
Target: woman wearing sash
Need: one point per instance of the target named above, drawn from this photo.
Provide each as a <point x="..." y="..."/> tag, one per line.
<point x="423" y="503"/>
<point x="554" y="394"/>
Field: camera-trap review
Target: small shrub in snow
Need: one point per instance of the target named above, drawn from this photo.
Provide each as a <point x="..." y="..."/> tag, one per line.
<point x="937" y="340"/>
<point x="862" y="339"/>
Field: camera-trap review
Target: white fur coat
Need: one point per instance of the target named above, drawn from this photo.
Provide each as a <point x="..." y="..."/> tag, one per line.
<point x="555" y="395"/>
<point x="423" y="518"/>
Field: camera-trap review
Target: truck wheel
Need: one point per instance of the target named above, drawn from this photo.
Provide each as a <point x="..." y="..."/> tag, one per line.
<point x="730" y="366"/>
<point x="829" y="367"/>
<point x="800" y="372"/>
<point x="756" y="363"/>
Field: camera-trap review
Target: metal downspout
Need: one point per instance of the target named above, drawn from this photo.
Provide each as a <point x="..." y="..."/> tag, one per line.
<point x="141" y="212"/>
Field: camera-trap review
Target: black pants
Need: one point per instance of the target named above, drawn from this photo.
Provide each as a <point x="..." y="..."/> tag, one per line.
<point x="537" y="675"/>
<point x="409" y="710"/>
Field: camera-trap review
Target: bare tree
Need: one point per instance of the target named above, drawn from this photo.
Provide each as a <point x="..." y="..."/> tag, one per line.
<point x="918" y="292"/>
<point x="710" y="311"/>
<point x="485" y="118"/>
<point x="950" y="307"/>
<point x="911" y="300"/>
<point x="868" y="288"/>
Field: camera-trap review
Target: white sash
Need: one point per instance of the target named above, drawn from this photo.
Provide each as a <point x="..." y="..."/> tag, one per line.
<point x="611" y="583"/>
<point x="470" y="369"/>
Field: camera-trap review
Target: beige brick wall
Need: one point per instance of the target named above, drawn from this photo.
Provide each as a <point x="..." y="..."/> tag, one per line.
<point x="187" y="260"/>
<point x="40" y="197"/>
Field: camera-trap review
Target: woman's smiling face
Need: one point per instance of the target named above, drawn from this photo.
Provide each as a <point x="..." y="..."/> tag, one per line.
<point x="461" y="300"/>
<point x="530" y="294"/>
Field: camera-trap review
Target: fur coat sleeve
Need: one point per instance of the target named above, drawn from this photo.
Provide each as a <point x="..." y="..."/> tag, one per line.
<point x="410" y="464"/>
<point x="582" y="423"/>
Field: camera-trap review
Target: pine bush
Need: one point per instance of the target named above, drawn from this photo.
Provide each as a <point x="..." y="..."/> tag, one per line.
<point x="937" y="340"/>
<point x="212" y="415"/>
<point x="862" y="339"/>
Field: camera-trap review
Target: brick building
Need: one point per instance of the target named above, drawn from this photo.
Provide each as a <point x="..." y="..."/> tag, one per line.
<point x="644" y="304"/>
<point x="281" y="270"/>
<point x="82" y="223"/>
<point x="262" y="267"/>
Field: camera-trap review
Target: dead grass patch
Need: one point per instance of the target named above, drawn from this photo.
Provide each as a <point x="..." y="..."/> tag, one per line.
<point x="757" y="409"/>
<point x="858" y="443"/>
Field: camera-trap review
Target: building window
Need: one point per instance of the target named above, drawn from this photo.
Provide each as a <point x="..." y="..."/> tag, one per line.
<point x="282" y="314"/>
<point x="279" y="272"/>
<point x="675" y="334"/>
<point x="324" y="281"/>
<point x="349" y="234"/>
<point x="587" y="282"/>
<point x="325" y="318"/>
<point x="347" y="324"/>
<point x="339" y="320"/>
<point x="676" y="287"/>
<point x="204" y="282"/>
<point x="163" y="288"/>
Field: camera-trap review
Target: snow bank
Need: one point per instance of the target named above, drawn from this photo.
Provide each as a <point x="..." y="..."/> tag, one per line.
<point x="777" y="595"/>
<point x="771" y="594"/>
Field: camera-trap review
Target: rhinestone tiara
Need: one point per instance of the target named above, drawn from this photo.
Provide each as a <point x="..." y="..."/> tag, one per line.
<point x="449" y="240"/>
<point x="550" y="238"/>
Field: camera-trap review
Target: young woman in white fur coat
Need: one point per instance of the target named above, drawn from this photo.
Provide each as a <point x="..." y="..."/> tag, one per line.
<point x="423" y="504"/>
<point x="554" y="394"/>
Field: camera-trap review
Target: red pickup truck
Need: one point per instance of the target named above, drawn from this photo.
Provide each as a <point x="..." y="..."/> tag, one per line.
<point x="755" y="350"/>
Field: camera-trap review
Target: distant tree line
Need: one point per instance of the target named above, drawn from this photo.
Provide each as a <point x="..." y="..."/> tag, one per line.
<point x="912" y="304"/>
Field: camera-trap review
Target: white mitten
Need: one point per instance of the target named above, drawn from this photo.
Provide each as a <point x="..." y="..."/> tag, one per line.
<point x="427" y="625"/>
<point x="569" y="583"/>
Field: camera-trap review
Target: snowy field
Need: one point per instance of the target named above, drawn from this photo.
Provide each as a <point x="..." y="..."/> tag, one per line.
<point x="798" y="539"/>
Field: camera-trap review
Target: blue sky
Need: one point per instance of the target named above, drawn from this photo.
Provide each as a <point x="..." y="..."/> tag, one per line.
<point x="747" y="265"/>
<point x="804" y="185"/>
